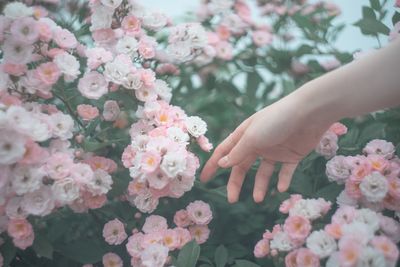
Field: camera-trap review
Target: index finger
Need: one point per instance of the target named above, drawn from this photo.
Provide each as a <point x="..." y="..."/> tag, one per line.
<point x="222" y="149"/>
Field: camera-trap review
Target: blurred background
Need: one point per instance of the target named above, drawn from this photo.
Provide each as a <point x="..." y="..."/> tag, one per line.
<point x="350" y="39"/>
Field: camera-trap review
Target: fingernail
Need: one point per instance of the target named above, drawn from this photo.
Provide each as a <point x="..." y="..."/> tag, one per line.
<point x="223" y="162"/>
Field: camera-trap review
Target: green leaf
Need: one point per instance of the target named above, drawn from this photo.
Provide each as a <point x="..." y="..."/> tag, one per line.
<point x="375" y="130"/>
<point x="8" y="252"/>
<point x="188" y="255"/>
<point x="372" y="26"/>
<point x="83" y="251"/>
<point x="221" y="256"/>
<point x="91" y="146"/>
<point x="368" y="13"/>
<point x="43" y="247"/>
<point x="396" y="18"/>
<point x="245" y="263"/>
<point x="330" y="192"/>
<point x="375" y="4"/>
<point x="253" y="81"/>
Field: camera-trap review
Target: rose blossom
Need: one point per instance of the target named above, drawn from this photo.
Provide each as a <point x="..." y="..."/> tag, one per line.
<point x="48" y="73"/>
<point x="297" y="227"/>
<point x="87" y="112"/>
<point x="112" y="260"/>
<point x="114" y="232"/>
<point x="64" y="38"/>
<point x="181" y="218"/>
<point x="321" y="244"/>
<point x="93" y="85"/>
<point x="374" y="187"/>
<point x="199" y="212"/>
<point x="111" y="110"/>
<point x="200" y="233"/>
<point x="261" y="249"/>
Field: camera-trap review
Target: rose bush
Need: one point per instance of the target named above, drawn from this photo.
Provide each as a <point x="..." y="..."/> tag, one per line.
<point x="106" y="108"/>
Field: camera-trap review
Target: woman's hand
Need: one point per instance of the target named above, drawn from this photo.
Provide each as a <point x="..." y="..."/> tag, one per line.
<point x="281" y="132"/>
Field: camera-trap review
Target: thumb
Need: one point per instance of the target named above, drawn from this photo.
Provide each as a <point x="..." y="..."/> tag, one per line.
<point x="238" y="154"/>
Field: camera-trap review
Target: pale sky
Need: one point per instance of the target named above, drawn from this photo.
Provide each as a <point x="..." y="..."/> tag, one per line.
<point x="350" y="39"/>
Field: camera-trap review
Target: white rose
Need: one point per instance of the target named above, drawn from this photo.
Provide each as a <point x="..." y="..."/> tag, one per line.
<point x="116" y="71"/>
<point x="68" y="65"/>
<point x="176" y="134"/>
<point x="281" y="242"/>
<point x="17" y="52"/>
<point x="65" y="190"/>
<point x="101" y="182"/>
<point x="16" y="10"/>
<point x="371" y="257"/>
<point x="196" y="126"/>
<point x="12" y="147"/>
<point x="14" y="208"/>
<point x="145" y="202"/>
<point x="220" y="6"/>
<point x="154" y="255"/>
<point x="154" y="20"/>
<point x="180" y="52"/>
<point x="133" y="81"/>
<point x="358" y="231"/>
<point x="101" y="18"/>
<point x="321" y="244"/>
<point x="173" y="164"/>
<point x="26" y="179"/>
<point x="111" y="3"/>
<point x="39" y="202"/>
<point x="127" y="45"/>
<point x="62" y="125"/>
<point x="374" y="187"/>
<point x="163" y="90"/>
<point x="368" y="217"/>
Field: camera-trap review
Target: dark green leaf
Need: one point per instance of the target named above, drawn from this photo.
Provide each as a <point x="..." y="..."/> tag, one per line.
<point x="221" y="256"/>
<point x="8" y="252"/>
<point x="375" y="4"/>
<point x="83" y="251"/>
<point x="42" y="246"/>
<point x="245" y="263"/>
<point x="372" y="26"/>
<point x="188" y="255"/>
<point x="330" y="192"/>
<point x="368" y="13"/>
<point x="396" y="18"/>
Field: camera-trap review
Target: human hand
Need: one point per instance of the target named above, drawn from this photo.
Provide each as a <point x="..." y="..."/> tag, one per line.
<point x="281" y="132"/>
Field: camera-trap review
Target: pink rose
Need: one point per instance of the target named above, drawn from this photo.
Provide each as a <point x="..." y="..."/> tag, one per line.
<point x="338" y="128"/>
<point x="200" y="233"/>
<point x="19" y="229"/>
<point x="48" y="73"/>
<point x="181" y="218"/>
<point x="87" y="112"/>
<point x="111" y="110"/>
<point x="261" y="249"/>
<point x="131" y="25"/>
<point x="112" y="260"/>
<point x="298" y="228"/>
<point x="204" y="143"/>
<point x="65" y="39"/>
<point x="199" y="212"/>
<point x="114" y="232"/>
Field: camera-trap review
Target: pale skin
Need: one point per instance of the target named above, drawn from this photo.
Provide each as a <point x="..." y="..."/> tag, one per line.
<point x="286" y="131"/>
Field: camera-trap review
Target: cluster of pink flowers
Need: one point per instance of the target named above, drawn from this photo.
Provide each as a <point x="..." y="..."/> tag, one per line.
<point x="27" y="36"/>
<point x="355" y="237"/>
<point x="158" y="158"/>
<point x="328" y="144"/>
<point x="371" y="180"/>
<point x="150" y="247"/>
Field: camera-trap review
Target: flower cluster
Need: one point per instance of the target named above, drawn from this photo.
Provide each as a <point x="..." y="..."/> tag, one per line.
<point x="371" y="180"/>
<point x="355" y="237"/>
<point x="328" y="145"/>
<point x="150" y="246"/>
<point x="36" y="179"/>
<point x="158" y="158"/>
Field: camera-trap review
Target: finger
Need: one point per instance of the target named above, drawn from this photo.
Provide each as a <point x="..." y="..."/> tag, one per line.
<point x="263" y="176"/>
<point x="237" y="177"/>
<point x="238" y="153"/>
<point x="224" y="148"/>
<point x="285" y="175"/>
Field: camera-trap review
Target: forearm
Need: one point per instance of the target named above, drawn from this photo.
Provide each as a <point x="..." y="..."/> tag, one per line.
<point x="365" y="85"/>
